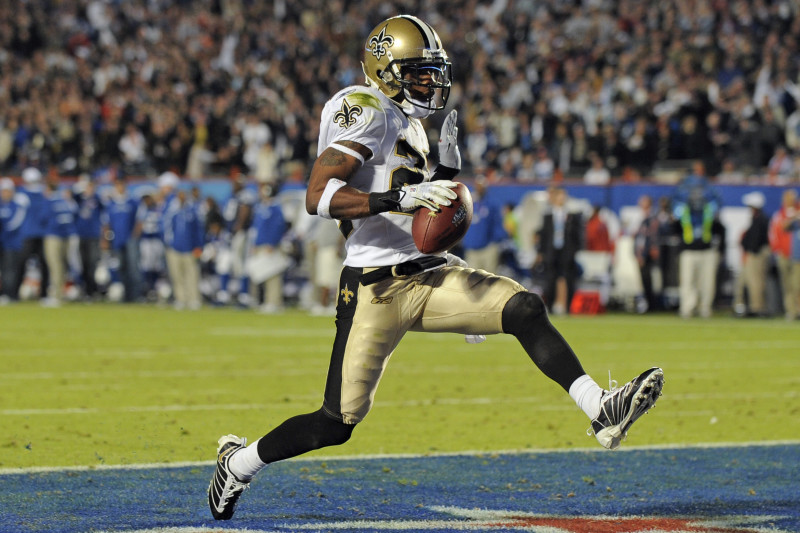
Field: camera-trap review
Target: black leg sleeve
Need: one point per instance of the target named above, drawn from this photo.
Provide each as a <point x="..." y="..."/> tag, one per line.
<point x="525" y="317"/>
<point x="302" y="434"/>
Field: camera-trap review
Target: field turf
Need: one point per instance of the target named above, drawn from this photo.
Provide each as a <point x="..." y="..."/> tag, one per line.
<point x="111" y="415"/>
<point x="112" y="384"/>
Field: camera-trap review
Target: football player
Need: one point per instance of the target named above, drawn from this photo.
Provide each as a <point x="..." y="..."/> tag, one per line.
<point x="371" y="174"/>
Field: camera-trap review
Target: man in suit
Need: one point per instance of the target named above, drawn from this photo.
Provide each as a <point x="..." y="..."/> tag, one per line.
<point x="558" y="241"/>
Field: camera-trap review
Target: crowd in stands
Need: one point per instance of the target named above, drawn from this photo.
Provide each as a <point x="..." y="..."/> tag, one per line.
<point x="543" y="87"/>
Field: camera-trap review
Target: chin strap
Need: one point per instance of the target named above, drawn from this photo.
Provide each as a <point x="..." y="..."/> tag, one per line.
<point x="413" y="110"/>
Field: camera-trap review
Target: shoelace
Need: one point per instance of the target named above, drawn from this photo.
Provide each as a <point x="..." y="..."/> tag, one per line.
<point x="612" y="387"/>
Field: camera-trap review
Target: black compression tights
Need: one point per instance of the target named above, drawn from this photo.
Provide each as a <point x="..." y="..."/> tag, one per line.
<point x="302" y="434"/>
<point x="525" y="317"/>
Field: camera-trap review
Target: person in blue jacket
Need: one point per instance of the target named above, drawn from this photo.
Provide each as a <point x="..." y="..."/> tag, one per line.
<point x="33" y="229"/>
<point x="268" y="229"/>
<point x="12" y="213"/>
<point x="60" y="227"/>
<point x="482" y="242"/>
<point x="120" y="220"/>
<point x="184" y="236"/>
<point x="88" y="226"/>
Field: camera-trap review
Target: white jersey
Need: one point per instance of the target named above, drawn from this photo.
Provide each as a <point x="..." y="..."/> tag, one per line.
<point x="399" y="148"/>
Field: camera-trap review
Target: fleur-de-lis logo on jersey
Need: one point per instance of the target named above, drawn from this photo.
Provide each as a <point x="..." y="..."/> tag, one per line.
<point x="346" y="116"/>
<point x="347" y="294"/>
<point x="378" y="43"/>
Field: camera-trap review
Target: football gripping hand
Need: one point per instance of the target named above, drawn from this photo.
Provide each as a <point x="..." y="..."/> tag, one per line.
<point x="430" y="194"/>
<point x="449" y="154"/>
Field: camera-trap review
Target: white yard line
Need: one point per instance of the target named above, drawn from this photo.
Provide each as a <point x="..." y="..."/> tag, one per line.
<point x="369" y="457"/>
<point x="426" y="402"/>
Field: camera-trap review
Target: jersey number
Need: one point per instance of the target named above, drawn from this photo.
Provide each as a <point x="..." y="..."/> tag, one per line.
<point x="408" y="174"/>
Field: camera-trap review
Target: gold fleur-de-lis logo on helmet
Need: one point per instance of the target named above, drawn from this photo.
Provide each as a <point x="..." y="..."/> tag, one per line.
<point x="346" y="116"/>
<point x="378" y="43"/>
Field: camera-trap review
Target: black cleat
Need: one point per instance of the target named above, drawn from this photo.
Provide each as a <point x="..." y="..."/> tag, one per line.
<point x="620" y="408"/>
<point x="225" y="488"/>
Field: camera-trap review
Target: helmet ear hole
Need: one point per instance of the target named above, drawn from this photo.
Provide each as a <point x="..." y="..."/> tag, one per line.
<point x="386" y="76"/>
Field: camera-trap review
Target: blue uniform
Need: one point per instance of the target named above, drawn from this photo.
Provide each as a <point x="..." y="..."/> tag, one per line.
<point x="61" y="219"/>
<point x="121" y="213"/>
<point x="88" y="222"/>
<point x="269" y="225"/>
<point x="35" y="224"/>
<point x="183" y="227"/>
<point x="486" y="227"/>
<point x="12" y="215"/>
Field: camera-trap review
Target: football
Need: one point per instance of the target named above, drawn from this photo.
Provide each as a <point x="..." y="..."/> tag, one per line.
<point x="437" y="232"/>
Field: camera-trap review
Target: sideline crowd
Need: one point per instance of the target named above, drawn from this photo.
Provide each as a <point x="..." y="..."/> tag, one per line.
<point x="259" y="248"/>
<point x="544" y="88"/>
<point x="110" y="93"/>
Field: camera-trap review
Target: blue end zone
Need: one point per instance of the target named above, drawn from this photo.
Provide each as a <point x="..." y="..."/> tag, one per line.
<point x="726" y="489"/>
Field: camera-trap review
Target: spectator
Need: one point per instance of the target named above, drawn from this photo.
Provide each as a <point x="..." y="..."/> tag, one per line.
<point x="597" y="174"/>
<point x="481" y="244"/>
<point x="780" y="240"/>
<point x="696" y="206"/>
<point x="793" y="225"/>
<point x="33" y="230"/>
<point x="255" y="136"/>
<point x="121" y="210"/>
<point x="238" y="213"/>
<point x="268" y="230"/>
<point x="558" y="241"/>
<point x="60" y="227"/>
<point x="184" y="237"/>
<point x="729" y="174"/>
<point x="133" y="151"/>
<point x="780" y="167"/>
<point x="598" y="238"/>
<point x="647" y="247"/>
<point x="755" y="261"/>
<point x="148" y="232"/>
<point x="12" y="214"/>
<point x="323" y="254"/>
<point x="127" y="65"/>
<point x="88" y="227"/>
<point x="544" y="167"/>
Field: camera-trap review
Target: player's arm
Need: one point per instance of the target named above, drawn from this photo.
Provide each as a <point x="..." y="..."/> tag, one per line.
<point x="345" y="202"/>
<point x="330" y="196"/>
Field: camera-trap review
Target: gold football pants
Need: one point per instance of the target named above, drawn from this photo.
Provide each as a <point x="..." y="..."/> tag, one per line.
<point x="371" y="320"/>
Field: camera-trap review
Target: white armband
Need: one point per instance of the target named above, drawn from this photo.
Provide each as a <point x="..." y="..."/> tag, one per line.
<point x="348" y="151"/>
<point x="324" y="205"/>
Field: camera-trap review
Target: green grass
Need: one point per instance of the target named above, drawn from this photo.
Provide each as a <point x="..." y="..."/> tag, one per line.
<point x="88" y="385"/>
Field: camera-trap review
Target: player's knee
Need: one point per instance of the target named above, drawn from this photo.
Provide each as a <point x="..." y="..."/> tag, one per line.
<point x="331" y="432"/>
<point x="522" y="311"/>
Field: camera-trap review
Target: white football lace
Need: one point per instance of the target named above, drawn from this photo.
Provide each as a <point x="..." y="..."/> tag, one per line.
<point x="612" y="386"/>
<point x="612" y="383"/>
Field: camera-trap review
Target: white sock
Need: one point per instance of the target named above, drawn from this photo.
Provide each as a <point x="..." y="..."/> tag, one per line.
<point x="246" y="463"/>
<point x="587" y="394"/>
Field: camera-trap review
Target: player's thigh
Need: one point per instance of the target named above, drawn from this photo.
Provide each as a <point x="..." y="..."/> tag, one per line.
<point x="370" y="323"/>
<point x="466" y="300"/>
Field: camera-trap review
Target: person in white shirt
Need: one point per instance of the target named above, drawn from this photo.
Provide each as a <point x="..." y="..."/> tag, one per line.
<point x="597" y="174"/>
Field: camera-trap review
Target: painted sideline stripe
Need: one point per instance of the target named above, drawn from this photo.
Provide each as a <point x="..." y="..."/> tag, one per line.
<point x="189" y="530"/>
<point x="425" y="402"/>
<point x="369" y="457"/>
